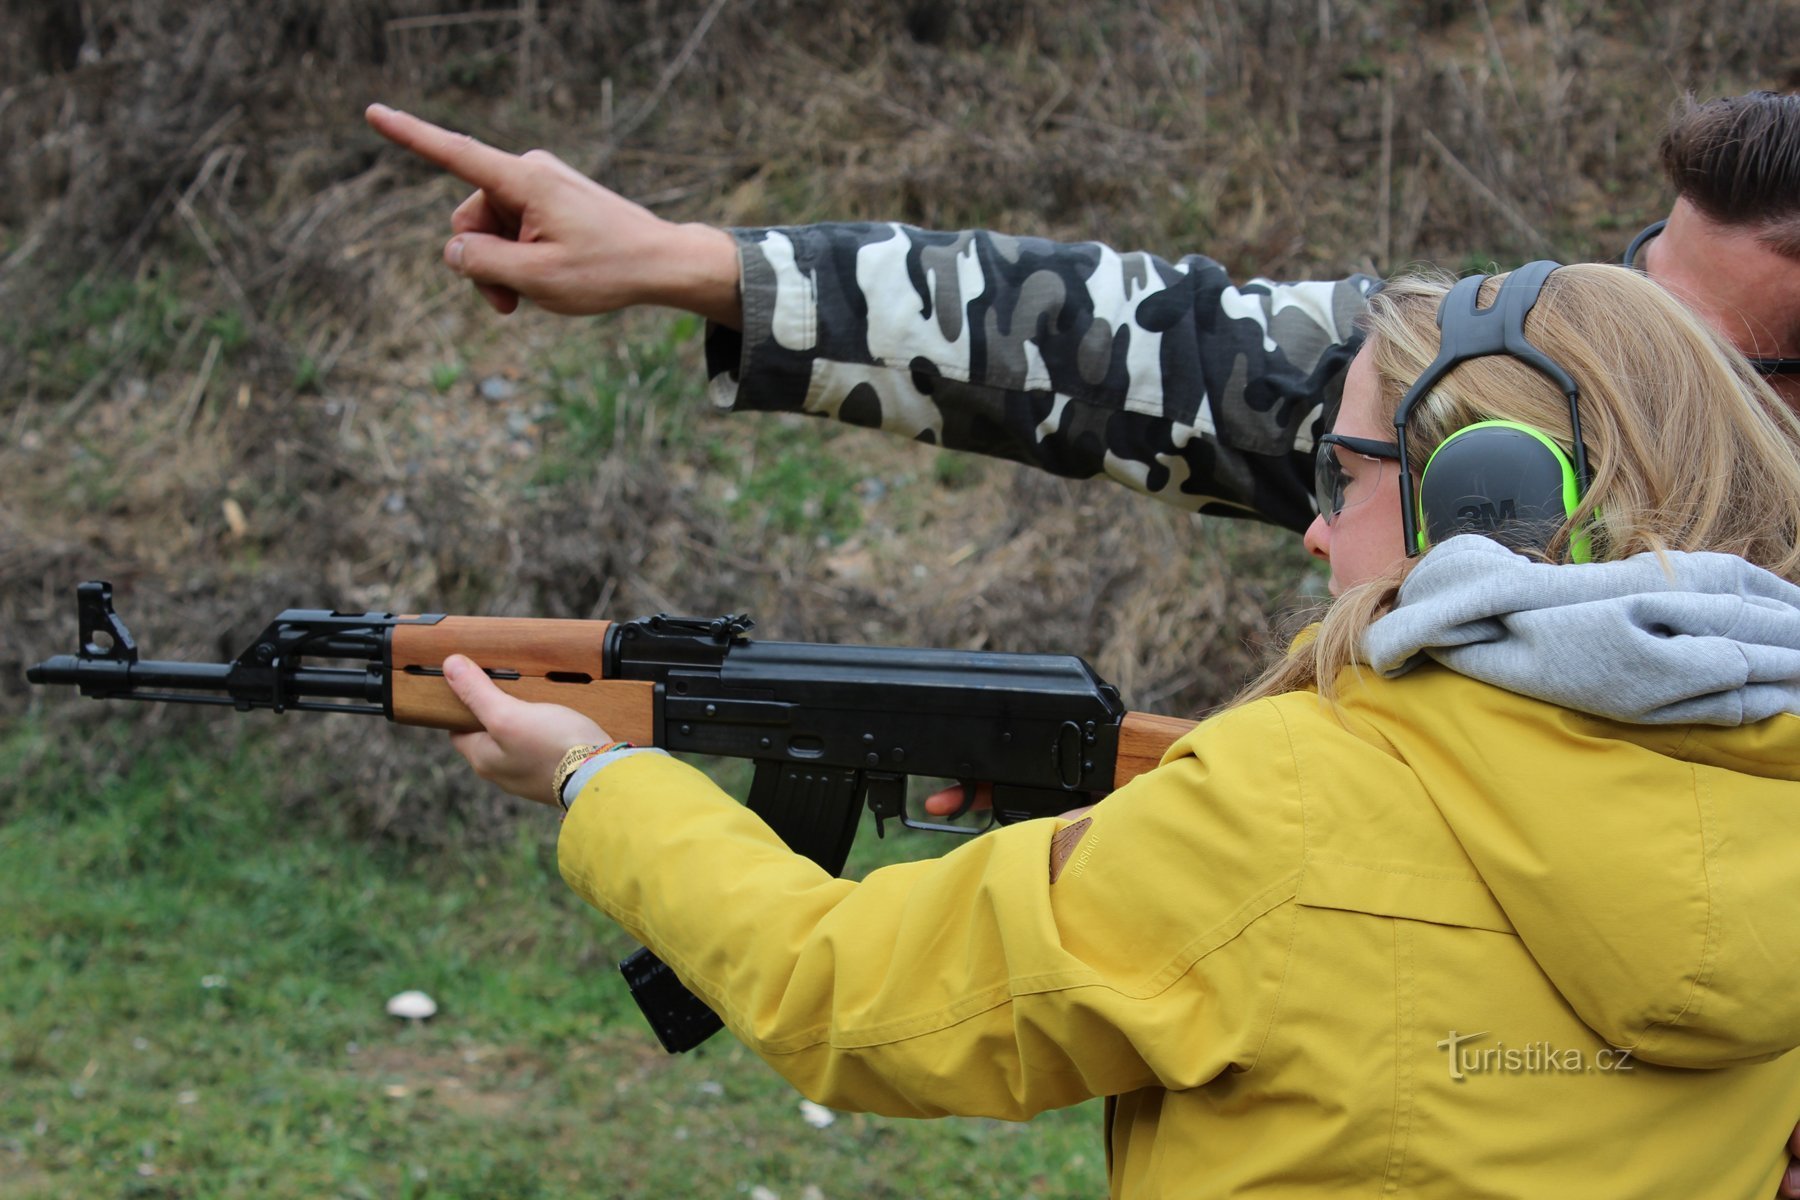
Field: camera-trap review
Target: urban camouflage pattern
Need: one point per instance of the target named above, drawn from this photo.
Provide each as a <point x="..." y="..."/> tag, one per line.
<point x="1071" y="357"/>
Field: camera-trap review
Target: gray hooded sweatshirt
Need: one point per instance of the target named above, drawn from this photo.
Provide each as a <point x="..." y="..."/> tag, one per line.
<point x="1698" y="638"/>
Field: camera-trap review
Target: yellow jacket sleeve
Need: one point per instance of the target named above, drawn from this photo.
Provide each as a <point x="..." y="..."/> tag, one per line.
<point x="974" y="983"/>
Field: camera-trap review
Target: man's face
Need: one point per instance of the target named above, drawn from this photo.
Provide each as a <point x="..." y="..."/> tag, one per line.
<point x="1743" y="289"/>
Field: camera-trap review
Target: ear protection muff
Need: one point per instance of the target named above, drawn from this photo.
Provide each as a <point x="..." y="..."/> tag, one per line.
<point x="1503" y="480"/>
<point x="1498" y="478"/>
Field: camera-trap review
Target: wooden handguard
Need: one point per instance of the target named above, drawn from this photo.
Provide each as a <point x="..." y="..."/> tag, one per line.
<point x="558" y="662"/>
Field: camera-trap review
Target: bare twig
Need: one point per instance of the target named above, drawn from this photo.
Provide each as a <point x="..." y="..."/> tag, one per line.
<point x="682" y="56"/>
<point x="437" y="20"/>
<point x="1493" y="40"/>
<point x="1414" y="197"/>
<point x="1384" y="213"/>
<point x="1508" y="211"/>
<point x="211" y="248"/>
<point x="198" y="391"/>
<point x="339" y="344"/>
<point x="204" y="175"/>
<point x="160" y="205"/>
<point x="409" y="317"/>
<point x="718" y="554"/>
<point x="1151" y="142"/>
<point x="329" y="202"/>
<point x="1036" y="124"/>
<point x="22" y="255"/>
<point x="676" y="192"/>
<point x="88" y="390"/>
<point x="26" y="404"/>
<point x="378" y="442"/>
<point x="607" y="591"/>
<point x="528" y="30"/>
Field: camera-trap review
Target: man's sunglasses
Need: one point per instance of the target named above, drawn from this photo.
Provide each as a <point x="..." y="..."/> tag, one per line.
<point x="1765" y="366"/>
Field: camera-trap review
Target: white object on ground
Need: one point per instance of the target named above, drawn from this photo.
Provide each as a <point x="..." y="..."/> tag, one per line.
<point x="413" y="1005"/>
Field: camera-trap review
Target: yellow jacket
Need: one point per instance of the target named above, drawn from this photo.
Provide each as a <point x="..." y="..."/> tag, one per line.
<point x="1444" y="941"/>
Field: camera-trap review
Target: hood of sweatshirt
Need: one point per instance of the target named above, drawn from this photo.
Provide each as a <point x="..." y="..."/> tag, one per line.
<point x="1631" y="794"/>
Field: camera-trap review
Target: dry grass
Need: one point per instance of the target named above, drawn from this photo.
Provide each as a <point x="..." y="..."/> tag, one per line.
<point x="233" y="378"/>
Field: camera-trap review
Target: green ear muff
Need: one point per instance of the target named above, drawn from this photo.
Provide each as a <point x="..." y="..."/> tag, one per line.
<point x="1531" y="487"/>
<point x="1502" y="480"/>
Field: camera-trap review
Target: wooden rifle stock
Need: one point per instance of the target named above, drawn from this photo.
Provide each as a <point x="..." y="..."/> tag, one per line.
<point x="1143" y="739"/>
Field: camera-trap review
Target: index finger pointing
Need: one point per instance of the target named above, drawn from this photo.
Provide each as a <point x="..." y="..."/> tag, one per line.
<point x="463" y="156"/>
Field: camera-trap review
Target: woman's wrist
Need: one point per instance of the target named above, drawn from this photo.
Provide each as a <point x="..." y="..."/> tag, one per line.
<point x="584" y="768"/>
<point x="566" y="767"/>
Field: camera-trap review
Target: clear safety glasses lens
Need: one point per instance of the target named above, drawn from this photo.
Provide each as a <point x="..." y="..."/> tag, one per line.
<point x="1334" y="487"/>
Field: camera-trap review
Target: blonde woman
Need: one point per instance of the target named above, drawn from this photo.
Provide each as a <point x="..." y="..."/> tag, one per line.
<point x="1490" y="887"/>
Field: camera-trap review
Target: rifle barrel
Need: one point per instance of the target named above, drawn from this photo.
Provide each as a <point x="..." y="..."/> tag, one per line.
<point x="226" y="682"/>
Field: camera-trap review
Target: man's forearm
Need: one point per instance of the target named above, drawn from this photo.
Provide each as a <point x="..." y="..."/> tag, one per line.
<point x="1070" y="357"/>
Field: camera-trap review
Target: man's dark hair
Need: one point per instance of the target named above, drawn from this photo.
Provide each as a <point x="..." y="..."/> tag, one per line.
<point x="1737" y="160"/>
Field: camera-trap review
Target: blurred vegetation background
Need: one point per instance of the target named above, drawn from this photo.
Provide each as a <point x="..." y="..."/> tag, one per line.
<point x="235" y="378"/>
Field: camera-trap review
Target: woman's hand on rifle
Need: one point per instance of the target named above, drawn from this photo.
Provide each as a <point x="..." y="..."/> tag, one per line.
<point x="520" y="743"/>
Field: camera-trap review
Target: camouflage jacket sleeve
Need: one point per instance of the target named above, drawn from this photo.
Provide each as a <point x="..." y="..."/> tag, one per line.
<point x="1072" y="357"/>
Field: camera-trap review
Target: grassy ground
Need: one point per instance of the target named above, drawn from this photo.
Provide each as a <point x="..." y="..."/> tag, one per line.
<point x="192" y="1006"/>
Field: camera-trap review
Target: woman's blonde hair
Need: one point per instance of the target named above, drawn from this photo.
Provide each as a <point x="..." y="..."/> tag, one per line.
<point x="1688" y="447"/>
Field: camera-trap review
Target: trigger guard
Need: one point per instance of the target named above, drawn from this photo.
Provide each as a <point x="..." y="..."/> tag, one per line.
<point x="944" y="826"/>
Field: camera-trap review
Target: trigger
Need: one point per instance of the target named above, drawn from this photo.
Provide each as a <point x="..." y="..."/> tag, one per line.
<point x="886" y="798"/>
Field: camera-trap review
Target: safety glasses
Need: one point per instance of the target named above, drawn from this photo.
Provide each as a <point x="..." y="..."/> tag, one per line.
<point x="1633" y="258"/>
<point x="1335" y="488"/>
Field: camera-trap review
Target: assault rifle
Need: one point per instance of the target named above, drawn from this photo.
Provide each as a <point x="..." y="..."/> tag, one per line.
<point x="831" y="729"/>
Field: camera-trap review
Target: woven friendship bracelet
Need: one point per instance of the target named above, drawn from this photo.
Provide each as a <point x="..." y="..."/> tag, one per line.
<point x="571" y="762"/>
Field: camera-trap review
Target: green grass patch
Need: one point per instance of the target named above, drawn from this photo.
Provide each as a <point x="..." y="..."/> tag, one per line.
<point x="637" y="395"/>
<point x="446" y="375"/>
<point x="794" y="481"/>
<point x="142" y="322"/>
<point x="191" y="1005"/>
<point x="645" y="399"/>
